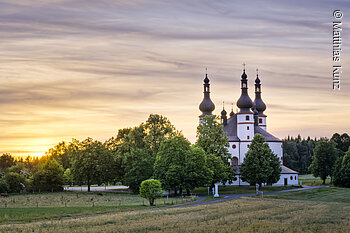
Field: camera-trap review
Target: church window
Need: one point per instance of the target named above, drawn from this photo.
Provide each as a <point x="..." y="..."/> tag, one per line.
<point x="260" y="121"/>
<point x="244" y="85"/>
<point x="247" y="137"/>
<point x="291" y="177"/>
<point x="234" y="161"/>
<point x="247" y="118"/>
<point x="247" y="127"/>
<point x="295" y="177"/>
<point x="248" y="145"/>
<point x="233" y="146"/>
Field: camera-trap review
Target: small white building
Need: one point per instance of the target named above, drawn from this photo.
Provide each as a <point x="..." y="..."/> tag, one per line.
<point x="243" y="125"/>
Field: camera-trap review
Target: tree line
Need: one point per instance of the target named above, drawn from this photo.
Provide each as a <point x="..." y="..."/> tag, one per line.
<point x="153" y="149"/>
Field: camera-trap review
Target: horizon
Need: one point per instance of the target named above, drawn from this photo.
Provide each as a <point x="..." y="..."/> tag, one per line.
<point x="76" y="69"/>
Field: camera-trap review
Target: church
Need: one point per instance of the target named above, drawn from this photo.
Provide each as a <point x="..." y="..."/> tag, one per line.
<point x="241" y="127"/>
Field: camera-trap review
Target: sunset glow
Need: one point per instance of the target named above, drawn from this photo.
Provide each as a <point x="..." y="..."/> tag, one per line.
<point x="77" y="69"/>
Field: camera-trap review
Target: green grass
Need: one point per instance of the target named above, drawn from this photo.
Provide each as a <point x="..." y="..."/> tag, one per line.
<point x="326" y="194"/>
<point x="243" y="189"/>
<point x="29" y="207"/>
<point x="310" y="180"/>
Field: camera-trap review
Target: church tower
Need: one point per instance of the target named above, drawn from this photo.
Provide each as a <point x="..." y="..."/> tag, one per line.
<point x="207" y="106"/>
<point x="245" y="117"/>
<point x="259" y="104"/>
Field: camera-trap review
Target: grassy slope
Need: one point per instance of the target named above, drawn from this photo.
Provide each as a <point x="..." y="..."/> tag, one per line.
<point x="327" y="194"/>
<point x="241" y="215"/>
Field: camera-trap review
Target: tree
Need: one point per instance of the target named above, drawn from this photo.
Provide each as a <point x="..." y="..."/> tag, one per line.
<point x="221" y="171"/>
<point x="197" y="172"/>
<point x="341" y="171"/>
<point x="158" y="128"/>
<point x="151" y="190"/>
<point x="15" y="182"/>
<point x="342" y="141"/>
<point x="68" y="177"/>
<point x="6" y="161"/>
<point x="260" y="164"/>
<point x="138" y="167"/>
<point x="49" y="177"/>
<point x="212" y="138"/>
<point x="323" y="159"/>
<point x="169" y="166"/>
<point x="93" y="163"/>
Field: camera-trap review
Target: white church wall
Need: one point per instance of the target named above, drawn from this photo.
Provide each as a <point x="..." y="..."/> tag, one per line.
<point x="276" y="148"/>
<point x="234" y="152"/>
<point x="243" y="146"/>
<point x="245" y="128"/>
<point x="262" y="125"/>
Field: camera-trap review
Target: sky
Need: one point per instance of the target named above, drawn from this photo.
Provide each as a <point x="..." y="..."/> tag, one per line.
<point x="77" y="69"/>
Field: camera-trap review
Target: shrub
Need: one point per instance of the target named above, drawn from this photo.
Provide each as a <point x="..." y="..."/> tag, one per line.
<point x="15" y="182"/>
<point x="151" y="190"/>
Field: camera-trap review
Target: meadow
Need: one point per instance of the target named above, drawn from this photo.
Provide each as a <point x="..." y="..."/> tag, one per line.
<point x="240" y="215"/>
<point x="310" y="180"/>
<point x="29" y="207"/>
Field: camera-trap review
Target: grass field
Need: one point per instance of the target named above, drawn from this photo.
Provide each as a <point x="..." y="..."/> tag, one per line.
<point x="29" y="207"/>
<point x="241" y="215"/>
<point x="326" y="194"/>
<point x="243" y="189"/>
<point x="310" y="180"/>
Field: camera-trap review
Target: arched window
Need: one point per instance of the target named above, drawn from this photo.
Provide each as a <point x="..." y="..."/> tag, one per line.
<point x="247" y="127"/>
<point x="295" y="177"/>
<point x="247" y="118"/>
<point x="234" y="161"/>
<point x="260" y="121"/>
<point x="248" y="145"/>
<point x="247" y="137"/>
<point x="291" y="177"/>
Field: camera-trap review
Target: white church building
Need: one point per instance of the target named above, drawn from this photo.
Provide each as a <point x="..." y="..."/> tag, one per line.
<point x="243" y="125"/>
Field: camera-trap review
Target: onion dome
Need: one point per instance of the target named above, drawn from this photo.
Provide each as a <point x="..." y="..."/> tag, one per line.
<point x="223" y="115"/>
<point x="258" y="102"/>
<point x="232" y="113"/>
<point x="207" y="106"/>
<point x="244" y="102"/>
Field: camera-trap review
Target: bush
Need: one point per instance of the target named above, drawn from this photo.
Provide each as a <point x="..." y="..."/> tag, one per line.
<point x="15" y="182"/>
<point x="151" y="190"/>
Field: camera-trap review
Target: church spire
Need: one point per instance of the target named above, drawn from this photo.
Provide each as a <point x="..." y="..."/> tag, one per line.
<point x="244" y="102"/>
<point x="207" y="106"/>
<point x="258" y="102"/>
<point x="223" y="114"/>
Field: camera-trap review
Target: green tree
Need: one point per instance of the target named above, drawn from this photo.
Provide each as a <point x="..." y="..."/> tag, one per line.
<point x="260" y="164"/>
<point x="15" y="182"/>
<point x="212" y="138"/>
<point x="221" y="171"/>
<point x="138" y="167"/>
<point x="341" y="171"/>
<point x="323" y="159"/>
<point x="49" y="177"/>
<point x="151" y="190"/>
<point x="169" y="166"/>
<point x="197" y="171"/>
<point x="68" y="177"/>
<point x="93" y="163"/>
<point x="6" y="161"/>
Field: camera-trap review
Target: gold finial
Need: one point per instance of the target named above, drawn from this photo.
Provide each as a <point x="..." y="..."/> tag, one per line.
<point x="243" y="65"/>
<point x="257" y="71"/>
